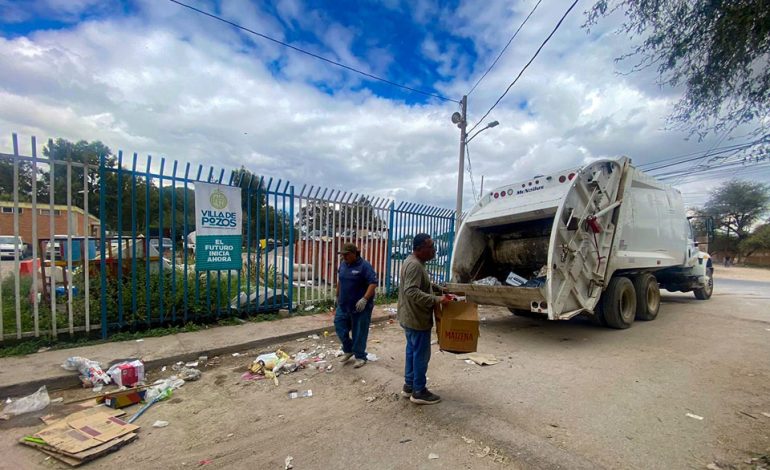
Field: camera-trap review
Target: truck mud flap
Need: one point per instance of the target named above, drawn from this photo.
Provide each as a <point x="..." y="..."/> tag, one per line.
<point x="504" y="296"/>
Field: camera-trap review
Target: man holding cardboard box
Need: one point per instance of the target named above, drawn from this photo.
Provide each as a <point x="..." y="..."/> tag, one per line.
<point x="415" y="314"/>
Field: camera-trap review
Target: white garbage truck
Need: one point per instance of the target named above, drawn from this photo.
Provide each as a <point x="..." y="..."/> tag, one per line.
<point x="599" y="240"/>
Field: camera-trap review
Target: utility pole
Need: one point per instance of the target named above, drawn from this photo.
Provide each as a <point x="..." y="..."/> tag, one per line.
<point x="460" y="120"/>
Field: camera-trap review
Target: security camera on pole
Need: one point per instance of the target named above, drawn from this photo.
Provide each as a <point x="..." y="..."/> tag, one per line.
<point x="459" y="119"/>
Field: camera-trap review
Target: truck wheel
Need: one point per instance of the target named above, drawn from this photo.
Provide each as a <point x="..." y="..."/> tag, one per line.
<point x="647" y="297"/>
<point x="619" y="303"/>
<point x="704" y="293"/>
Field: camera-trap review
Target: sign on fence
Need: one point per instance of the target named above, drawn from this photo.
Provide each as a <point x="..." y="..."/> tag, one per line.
<point x="218" y="219"/>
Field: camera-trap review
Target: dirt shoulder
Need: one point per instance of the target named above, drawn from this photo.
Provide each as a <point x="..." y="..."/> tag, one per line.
<point x="740" y="273"/>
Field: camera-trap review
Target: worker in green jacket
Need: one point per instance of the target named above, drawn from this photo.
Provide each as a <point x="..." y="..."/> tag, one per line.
<point x="415" y="314"/>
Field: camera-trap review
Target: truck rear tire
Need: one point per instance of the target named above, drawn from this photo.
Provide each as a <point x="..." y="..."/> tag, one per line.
<point x="619" y="303"/>
<point x="704" y="293"/>
<point x="647" y="297"/>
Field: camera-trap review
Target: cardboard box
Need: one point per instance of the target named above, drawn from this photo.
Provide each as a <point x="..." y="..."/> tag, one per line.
<point x="457" y="327"/>
<point x="127" y="374"/>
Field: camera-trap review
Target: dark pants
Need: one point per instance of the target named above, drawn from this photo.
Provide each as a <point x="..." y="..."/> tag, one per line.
<point x="353" y="324"/>
<point x="417" y="357"/>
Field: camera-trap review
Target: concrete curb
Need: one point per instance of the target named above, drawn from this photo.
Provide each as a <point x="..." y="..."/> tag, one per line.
<point x="68" y="379"/>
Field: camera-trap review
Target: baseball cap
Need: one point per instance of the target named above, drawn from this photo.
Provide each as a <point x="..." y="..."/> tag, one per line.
<point x="349" y="248"/>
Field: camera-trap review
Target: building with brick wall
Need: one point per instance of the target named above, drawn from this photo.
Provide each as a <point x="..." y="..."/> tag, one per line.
<point x="42" y="212"/>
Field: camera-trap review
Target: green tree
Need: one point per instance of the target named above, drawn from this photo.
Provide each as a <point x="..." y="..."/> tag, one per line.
<point x="736" y="206"/>
<point x="24" y="183"/>
<point x="759" y="240"/>
<point x="716" y="49"/>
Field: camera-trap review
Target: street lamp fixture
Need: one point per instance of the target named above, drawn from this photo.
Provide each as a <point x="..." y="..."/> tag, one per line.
<point x="489" y="126"/>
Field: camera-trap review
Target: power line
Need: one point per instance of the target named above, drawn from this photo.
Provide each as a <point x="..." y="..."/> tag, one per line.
<point x="699" y="153"/>
<point x="558" y="25"/>
<point x="699" y="156"/>
<point x="338" y="64"/>
<point x="470" y="173"/>
<point x="506" y="47"/>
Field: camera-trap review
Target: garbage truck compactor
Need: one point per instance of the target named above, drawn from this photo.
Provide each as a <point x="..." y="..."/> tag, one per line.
<point x="600" y="240"/>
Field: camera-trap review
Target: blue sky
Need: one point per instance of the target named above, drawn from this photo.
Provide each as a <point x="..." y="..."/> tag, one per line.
<point x="152" y="77"/>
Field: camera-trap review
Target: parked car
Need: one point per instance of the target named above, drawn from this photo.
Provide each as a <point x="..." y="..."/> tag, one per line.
<point x="11" y="246"/>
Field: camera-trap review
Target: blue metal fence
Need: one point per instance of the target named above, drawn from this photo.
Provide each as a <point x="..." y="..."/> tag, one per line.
<point x="407" y="220"/>
<point x="163" y="285"/>
<point x="128" y="224"/>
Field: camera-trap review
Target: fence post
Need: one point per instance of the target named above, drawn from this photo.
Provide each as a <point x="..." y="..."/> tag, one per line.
<point x="389" y="250"/>
<point x="291" y="248"/>
<point x="103" y="248"/>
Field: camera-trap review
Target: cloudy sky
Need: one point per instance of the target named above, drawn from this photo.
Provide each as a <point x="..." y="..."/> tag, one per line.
<point x="153" y="77"/>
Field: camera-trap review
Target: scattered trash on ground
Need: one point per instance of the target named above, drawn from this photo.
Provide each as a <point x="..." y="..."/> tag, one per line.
<point x="391" y="310"/>
<point x="127" y="374"/>
<point x="432" y="456"/>
<point x="83" y="436"/>
<point x="690" y="415"/>
<point x="309" y="308"/>
<point x="124" y="398"/>
<point x="192" y="364"/>
<point x="372" y="357"/>
<point x="34" y="402"/>
<point x="467" y="440"/>
<point x="287" y="465"/>
<point x="479" y="359"/>
<point x="91" y="372"/>
<point x="204" y="462"/>
<point x="140" y="341"/>
<point x="236" y="354"/>
<point x="404" y="441"/>
<point x="435" y="341"/>
<point x="188" y="374"/>
<point x="295" y="394"/>
<point x="315" y="337"/>
<point x="766" y="415"/>
<point x="160" y="424"/>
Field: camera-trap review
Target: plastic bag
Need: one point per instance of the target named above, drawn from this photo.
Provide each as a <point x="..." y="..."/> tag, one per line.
<point x="91" y="372"/>
<point x="163" y="388"/>
<point x="35" y="402"/>
<point x="189" y="374"/>
<point x="488" y="281"/>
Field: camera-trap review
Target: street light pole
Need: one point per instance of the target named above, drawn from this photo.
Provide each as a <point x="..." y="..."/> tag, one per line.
<point x="461" y="171"/>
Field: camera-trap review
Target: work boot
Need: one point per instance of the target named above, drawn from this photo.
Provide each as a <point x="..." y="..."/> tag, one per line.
<point x="359" y="363"/>
<point x="346" y="357"/>
<point x="406" y="392"/>
<point x="425" y="397"/>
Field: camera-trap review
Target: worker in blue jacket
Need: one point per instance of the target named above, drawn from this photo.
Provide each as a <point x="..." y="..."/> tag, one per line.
<point x="356" y="285"/>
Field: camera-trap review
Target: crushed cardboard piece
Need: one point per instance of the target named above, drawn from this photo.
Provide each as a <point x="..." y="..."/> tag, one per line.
<point x="74" y="435"/>
<point x="80" y="458"/>
<point x="480" y="359"/>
